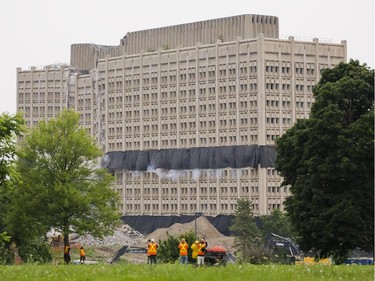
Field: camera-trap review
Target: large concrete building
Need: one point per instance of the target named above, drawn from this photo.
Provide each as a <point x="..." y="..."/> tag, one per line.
<point x="188" y="114"/>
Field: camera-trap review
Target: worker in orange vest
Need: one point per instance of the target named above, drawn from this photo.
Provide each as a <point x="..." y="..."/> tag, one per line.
<point x="201" y="252"/>
<point x="183" y="247"/>
<point x="82" y="255"/>
<point x="153" y="251"/>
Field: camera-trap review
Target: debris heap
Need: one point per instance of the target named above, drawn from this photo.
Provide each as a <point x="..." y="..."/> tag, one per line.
<point x="124" y="235"/>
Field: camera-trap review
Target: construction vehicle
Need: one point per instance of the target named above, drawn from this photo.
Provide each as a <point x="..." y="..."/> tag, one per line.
<point x="294" y="256"/>
<point x="126" y="249"/>
<point x="275" y="241"/>
<point x="216" y="255"/>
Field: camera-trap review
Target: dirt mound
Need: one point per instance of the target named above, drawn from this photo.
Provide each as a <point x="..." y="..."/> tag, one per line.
<point x="204" y="229"/>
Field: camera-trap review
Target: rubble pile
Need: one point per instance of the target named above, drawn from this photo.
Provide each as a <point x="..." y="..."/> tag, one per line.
<point x="124" y="235"/>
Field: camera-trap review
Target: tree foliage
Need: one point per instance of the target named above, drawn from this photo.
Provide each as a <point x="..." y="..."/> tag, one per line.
<point x="168" y="251"/>
<point x="328" y="162"/>
<point x="247" y="235"/>
<point x="277" y="222"/>
<point x="11" y="126"/>
<point x="62" y="186"/>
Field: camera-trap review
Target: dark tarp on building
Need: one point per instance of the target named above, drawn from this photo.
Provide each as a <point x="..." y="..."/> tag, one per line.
<point x="192" y="158"/>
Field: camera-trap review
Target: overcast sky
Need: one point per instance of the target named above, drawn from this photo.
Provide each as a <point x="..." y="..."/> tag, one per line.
<point x="40" y="32"/>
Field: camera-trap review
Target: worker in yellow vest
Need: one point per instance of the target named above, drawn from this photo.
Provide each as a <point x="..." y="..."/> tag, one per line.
<point x="153" y="251"/>
<point x="183" y="247"/>
<point x="194" y="253"/>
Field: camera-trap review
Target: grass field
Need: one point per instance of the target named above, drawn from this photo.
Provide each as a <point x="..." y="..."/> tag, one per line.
<point x="160" y="272"/>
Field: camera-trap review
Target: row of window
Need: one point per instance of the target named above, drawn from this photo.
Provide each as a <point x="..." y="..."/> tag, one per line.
<point x="190" y="207"/>
<point x="187" y="142"/>
<point x="190" y="174"/>
<point x="205" y="74"/>
<point x="192" y="191"/>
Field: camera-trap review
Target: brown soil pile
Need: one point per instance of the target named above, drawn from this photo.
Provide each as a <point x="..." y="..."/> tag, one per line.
<point x="204" y="229"/>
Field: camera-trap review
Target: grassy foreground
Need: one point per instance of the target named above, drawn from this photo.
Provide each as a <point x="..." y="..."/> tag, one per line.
<point x="161" y="272"/>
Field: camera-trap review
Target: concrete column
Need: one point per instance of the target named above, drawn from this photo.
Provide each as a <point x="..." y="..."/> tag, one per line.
<point x="261" y="100"/>
<point x="142" y="211"/>
<point x="293" y="80"/>
<point x="177" y="51"/>
<point x="106" y="107"/>
<point x="159" y="103"/>
<point x="343" y="42"/>
<point x="217" y="68"/>
<point x="123" y="189"/>
<point x="141" y="101"/>
<point x="237" y="92"/>
<point x="316" y="61"/>
<point x="262" y="174"/>
<point x="123" y="101"/>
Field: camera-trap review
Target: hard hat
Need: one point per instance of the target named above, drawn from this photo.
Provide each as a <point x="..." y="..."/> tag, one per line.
<point x="152" y="240"/>
<point x="196" y="242"/>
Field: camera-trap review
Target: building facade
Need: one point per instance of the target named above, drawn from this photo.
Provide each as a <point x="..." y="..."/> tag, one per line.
<point x="182" y="90"/>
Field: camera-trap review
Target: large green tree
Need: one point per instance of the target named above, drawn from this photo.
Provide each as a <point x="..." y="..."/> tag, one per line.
<point x="328" y="162"/>
<point x="11" y="126"/>
<point x="62" y="185"/>
<point x="247" y="235"/>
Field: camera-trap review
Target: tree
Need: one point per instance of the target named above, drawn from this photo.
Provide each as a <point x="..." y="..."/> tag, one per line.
<point x="62" y="186"/>
<point x="278" y="223"/>
<point x="168" y="251"/>
<point x="10" y="128"/>
<point x="247" y="234"/>
<point x="328" y="162"/>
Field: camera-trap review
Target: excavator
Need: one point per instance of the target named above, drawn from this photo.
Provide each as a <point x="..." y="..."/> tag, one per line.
<point x="274" y="241"/>
<point x="295" y="255"/>
<point x="126" y="249"/>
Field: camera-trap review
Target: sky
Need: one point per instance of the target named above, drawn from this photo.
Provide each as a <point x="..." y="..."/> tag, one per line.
<point x="40" y="32"/>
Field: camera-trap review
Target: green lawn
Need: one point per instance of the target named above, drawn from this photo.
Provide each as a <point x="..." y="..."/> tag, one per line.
<point x="160" y="272"/>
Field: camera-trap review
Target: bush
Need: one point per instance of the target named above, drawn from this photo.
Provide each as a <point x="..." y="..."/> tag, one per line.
<point x="35" y="251"/>
<point x="168" y="249"/>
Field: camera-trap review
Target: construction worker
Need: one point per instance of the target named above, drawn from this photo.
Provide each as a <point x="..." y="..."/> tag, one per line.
<point x="205" y="242"/>
<point x="194" y="254"/>
<point x="82" y="255"/>
<point x="153" y="251"/>
<point x="67" y="253"/>
<point x="148" y="256"/>
<point x="201" y="251"/>
<point x="183" y="247"/>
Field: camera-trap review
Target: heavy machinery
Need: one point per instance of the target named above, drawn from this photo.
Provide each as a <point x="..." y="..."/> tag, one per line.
<point x="126" y="249"/>
<point x="216" y="255"/>
<point x="275" y="241"/>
